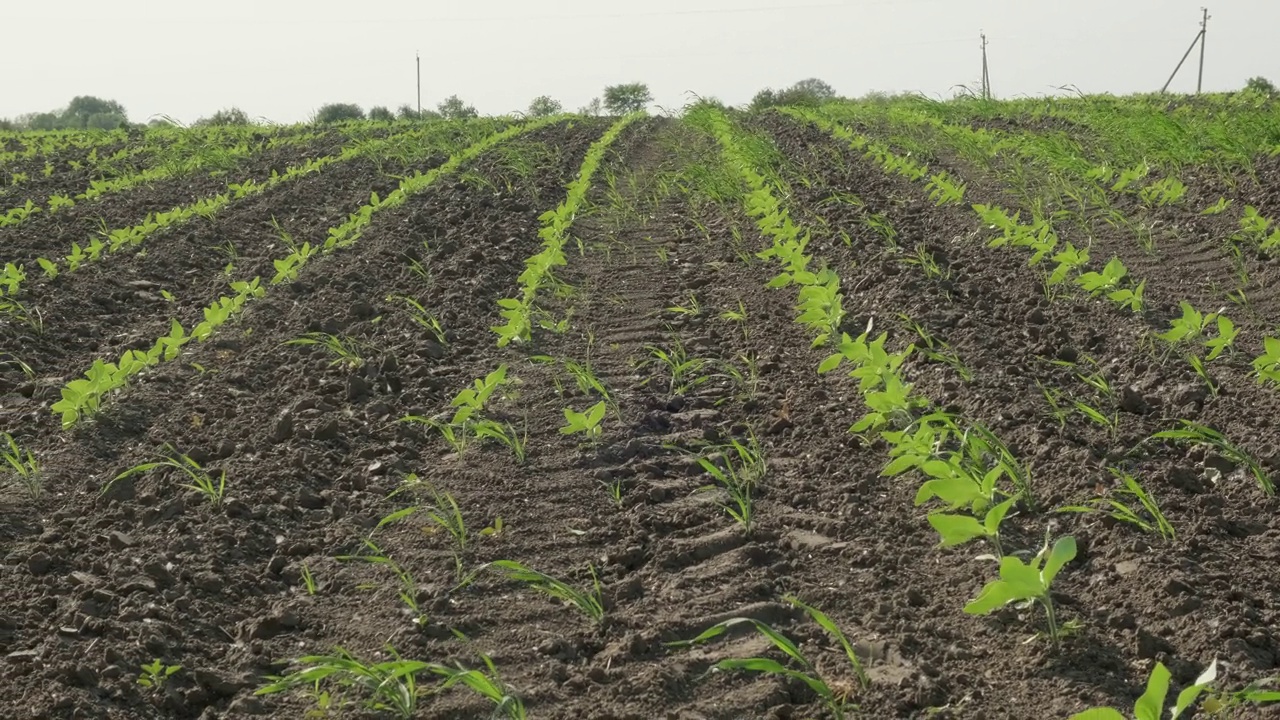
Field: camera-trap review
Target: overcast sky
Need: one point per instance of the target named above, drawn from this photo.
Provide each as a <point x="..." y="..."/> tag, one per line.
<point x="280" y="59"/>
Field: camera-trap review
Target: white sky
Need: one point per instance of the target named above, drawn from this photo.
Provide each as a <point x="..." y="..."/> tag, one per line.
<point x="280" y="59"/>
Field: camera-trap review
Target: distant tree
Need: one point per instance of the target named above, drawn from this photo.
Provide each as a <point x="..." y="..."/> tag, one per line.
<point x="227" y="116"/>
<point x="106" y="121"/>
<point x="83" y="107"/>
<point x="544" y="105"/>
<point x="628" y="98"/>
<point x="806" y="93"/>
<point x="8" y="125"/>
<point x="814" y="88"/>
<point x="381" y="114"/>
<point x="44" y="121"/>
<point x="1260" y="85"/>
<point x="453" y="108"/>
<point x="595" y="107"/>
<point x="406" y="112"/>
<point x="338" y="112"/>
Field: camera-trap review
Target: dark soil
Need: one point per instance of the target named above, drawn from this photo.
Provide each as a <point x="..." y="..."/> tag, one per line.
<point x="96" y="584"/>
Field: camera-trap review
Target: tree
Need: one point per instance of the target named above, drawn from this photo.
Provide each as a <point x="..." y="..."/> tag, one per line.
<point x="226" y="116"/>
<point x="814" y="87"/>
<point x="109" y="113"/>
<point x="8" y="125"/>
<point x="806" y="93"/>
<point x="1260" y="85"/>
<point x="628" y="98"/>
<point x="338" y="112"/>
<point x="453" y="108"/>
<point x="591" y="108"/>
<point x="381" y="114"/>
<point x="544" y="105"/>
<point x="44" y="121"/>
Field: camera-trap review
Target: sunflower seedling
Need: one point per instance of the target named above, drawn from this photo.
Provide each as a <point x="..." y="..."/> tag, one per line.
<point x="587" y="423"/>
<point x="835" y="692"/>
<point x="1151" y="705"/>
<point x="1028" y="583"/>
<point x="155" y="673"/>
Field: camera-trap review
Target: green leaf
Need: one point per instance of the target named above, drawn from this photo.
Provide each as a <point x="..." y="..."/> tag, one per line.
<point x="1188" y="696"/>
<point x="1064" y="551"/>
<point x="1151" y="705"/>
<point x="1099" y="714"/>
<point x="956" y="529"/>
<point x="995" y="594"/>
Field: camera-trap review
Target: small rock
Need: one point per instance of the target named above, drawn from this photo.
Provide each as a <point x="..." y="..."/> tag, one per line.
<point x="1132" y="401"/>
<point x="1036" y="317"/>
<point x="22" y="657"/>
<point x="1150" y="645"/>
<point x="357" y="387"/>
<point x="283" y="428"/>
<point x="217" y="683"/>
<point x="328" y="430"/>
<point x="805" y="540"/>
<point x="310" y="499"/>
<point x="119" y="541"/>
<point x="158" y="572"/>
<point x="247" y="705"/>
<point x="39" y="563"/>
<point x="1178" y="587"/>
<point x="1127" y="567"/>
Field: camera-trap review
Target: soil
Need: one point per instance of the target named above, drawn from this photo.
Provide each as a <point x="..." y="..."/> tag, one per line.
<point x="94" y="584"/>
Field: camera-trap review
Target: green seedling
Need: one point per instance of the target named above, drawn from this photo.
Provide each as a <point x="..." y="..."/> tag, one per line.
<point x="925" y="260"/>
<point x="1197" y="434"/>
<point x="213" y="489"/>
<point x="835" y="692"/>
<point x="738" y="468"/>
<point x="505" y="433"/>
<point x="1217" y="208"/>
<point x="1028" y="583"/>
<point x="1151" y="705"/>
<point x="1115" y="507"/>
<point x="937" y="350"/>
<point x="682" y="368"/>
<point x="22" y="465"/>
<point x="1225" y="340"/>
<point x="155" y="673"/>
<point x="49" y="267"/>
<point x="408" y="591"/>
<point x="587" y="423"/>
<point x="9" y="359"/>
<point x="1197" y="366"/>
<point x="1109" y="422"/>
<point x="1055" y="399"/>
<point x="693" y="309"/>
<point x="737" y="316"/>
<point x="444" y="514"/>
<point x="422" y="317"/>
<point x="468" y="404"/>
<point x="390" y="686"/>
<point x="590" y="602"/>
<point x="1189" y="327"/>
<point x="487" y="684"/>
<point x="309" y="581"/>
<point x="345" y="350"/>
<point x="1267" y="366"/>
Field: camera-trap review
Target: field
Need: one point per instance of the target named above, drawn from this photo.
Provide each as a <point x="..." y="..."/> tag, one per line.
<point x="878" y="409"/>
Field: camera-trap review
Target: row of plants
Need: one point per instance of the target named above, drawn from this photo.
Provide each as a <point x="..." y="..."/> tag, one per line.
<point x="976" y="483"/>
<point x="182" y="158"/>
<point x="519" y="313"/>
<point x="108" y="240"/>
<point x="83" y="397"/>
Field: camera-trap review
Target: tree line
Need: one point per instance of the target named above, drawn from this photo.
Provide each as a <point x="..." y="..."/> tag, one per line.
<point x="86" y="112"/>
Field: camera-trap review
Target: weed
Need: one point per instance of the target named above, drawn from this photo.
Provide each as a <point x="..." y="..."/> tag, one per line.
<point x="199" y="479"/>
<point x="1197" y="434"/>
<point x="590" y="602"/>
<point x="738" y="468"/>
<point x="391" y="686"/>
<point x="1154" y="522"/>
<point x="835" y="693"/>
<point x="345" y="350"/>
<point x="22" y="465"/>
<point x="155" y="673"/>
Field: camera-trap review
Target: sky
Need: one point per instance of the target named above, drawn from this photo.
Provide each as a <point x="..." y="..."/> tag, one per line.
<point x="281" y="59"/>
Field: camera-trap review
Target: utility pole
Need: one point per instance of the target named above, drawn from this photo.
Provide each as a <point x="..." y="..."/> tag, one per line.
<point x="1204" y="29"/>
<point x="1198" y="41"/>
<point x="418" y="58"/>
<point x="986" y="77"/>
